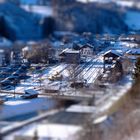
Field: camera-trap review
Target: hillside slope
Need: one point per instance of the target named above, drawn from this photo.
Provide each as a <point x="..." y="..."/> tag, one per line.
<point x="18" y="24"/>
<point x="95" y="18"/>
<point x="132" y="19"/>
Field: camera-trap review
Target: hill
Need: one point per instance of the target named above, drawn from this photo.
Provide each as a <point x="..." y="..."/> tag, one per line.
<point x="17" y="24"/>
<point x="96" y="18"/>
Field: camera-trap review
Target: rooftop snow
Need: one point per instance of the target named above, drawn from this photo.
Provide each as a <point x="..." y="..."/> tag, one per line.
<point x="67" y="50"/>
<point x="113" y="51"/>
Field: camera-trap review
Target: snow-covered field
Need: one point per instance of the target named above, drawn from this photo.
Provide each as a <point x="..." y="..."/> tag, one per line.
<point x="47" y="131"/>
<point x="123" y="3"/>
<point x="88" y="71"/>
<point x="41" y="10"/>
<point x="17" y="107"/>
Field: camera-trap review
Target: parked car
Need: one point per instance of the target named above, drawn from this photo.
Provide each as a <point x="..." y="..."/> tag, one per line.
<point x="29" y="94"/>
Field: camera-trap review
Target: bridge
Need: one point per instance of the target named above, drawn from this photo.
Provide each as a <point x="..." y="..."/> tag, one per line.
<point x="70" y="95"/>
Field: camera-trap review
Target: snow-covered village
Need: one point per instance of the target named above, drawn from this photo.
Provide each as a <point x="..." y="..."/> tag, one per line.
<point x="69" y="69"/>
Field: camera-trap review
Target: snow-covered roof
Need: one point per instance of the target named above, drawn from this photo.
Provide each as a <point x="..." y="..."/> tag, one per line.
<point x="67" y="50"/>
<point x="134" y="51"/>
<point x="85" y="45"/>
<point x="113" y="52"/>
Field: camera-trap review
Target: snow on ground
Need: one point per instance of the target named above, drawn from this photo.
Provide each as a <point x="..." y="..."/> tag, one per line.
<point x="81" y="109"/>
<point x="125" y="45"/>
<point x="47" y="131"/>
<point x="95" y="69"/>
<point x="58" y="69"/>
<point x="17" y="107"/>
<point x="34" y="82"/>
<point x="42" y="10"/>
<point x="89" y="71"/>
<point x="100" y="1"/>
<point x="132" y="19"/>
<point x="123" y="3"/>
<point x="115" y="94"/>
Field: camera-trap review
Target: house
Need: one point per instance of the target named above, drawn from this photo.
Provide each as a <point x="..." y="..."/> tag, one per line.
<point x="114" y="73"/>
<point x="70" y="56"/>
<point x="110" y="57"/>
<point x="87" y="50"/>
